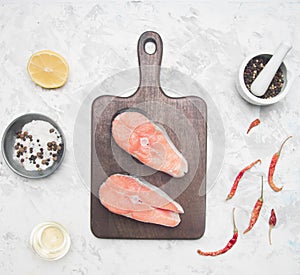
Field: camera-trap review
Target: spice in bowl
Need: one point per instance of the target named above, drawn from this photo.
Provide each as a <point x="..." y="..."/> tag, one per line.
<point x="252" y="70"/>
<point x="37" y="146"/>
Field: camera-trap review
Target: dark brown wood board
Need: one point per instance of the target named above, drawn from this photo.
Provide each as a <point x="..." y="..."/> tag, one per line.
<point x="184" y="119"/>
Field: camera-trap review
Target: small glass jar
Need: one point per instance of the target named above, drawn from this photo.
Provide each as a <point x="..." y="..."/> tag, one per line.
<point x="50" y="240"/>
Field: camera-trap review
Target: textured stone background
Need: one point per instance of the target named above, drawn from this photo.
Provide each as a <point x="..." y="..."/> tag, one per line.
<point x="206" y="40"/>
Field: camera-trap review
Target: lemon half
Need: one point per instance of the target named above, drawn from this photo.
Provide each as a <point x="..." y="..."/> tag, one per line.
<point x="48" y="69"/>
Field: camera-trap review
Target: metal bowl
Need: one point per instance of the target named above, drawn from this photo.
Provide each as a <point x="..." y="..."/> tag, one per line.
<point x="8" y="150"/>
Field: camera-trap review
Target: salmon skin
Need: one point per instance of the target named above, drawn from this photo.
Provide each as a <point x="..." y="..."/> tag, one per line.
<point x="139" y="200"/>
<point x="148" y="143"/>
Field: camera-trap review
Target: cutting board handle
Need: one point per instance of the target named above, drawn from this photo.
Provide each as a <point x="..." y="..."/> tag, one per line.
<point x="149" y="63"/>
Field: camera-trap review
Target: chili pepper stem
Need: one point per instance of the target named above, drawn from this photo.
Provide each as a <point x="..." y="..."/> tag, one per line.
<point x="228" y="198"/>
<point x="262" y="189"/>
<point x="270" y="230"/>
<point x="233" y="221"/>
<point x="280" y="149"/>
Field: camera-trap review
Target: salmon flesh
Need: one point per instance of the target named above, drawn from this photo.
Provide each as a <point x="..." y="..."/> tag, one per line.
<point x="139" y="200"/>
<point x="148" y="143"/>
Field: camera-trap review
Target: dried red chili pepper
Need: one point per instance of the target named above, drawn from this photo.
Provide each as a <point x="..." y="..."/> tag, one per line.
<point x="229" y="245"/>
<point x="272" y="167"/>
<point x="256" y="209"/>
<point x="253" y="124"/>
<point x="238" y="178"/>
<point x="272" y="223"/>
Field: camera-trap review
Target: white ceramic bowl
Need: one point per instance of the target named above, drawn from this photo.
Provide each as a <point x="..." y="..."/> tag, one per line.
<point x="251" y="98"/>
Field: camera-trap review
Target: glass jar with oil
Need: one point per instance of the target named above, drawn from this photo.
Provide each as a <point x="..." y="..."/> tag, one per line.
<point x="50" y="240"/>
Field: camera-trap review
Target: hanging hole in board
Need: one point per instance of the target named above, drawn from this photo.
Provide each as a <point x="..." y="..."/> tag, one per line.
<point x="150" y="46"/>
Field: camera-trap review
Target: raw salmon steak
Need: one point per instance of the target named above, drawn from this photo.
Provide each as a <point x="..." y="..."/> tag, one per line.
<point x="139" y="200"/>
<point x="148" y="143"/>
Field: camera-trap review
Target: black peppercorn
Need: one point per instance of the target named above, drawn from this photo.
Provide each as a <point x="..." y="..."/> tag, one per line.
<point x="252" y="70"/>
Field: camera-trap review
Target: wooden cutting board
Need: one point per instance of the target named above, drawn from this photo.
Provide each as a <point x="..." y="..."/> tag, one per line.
<point x="184" y="119"/>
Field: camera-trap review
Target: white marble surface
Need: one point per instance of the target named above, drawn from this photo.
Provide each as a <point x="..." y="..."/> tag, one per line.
<point x="205" y="40"/>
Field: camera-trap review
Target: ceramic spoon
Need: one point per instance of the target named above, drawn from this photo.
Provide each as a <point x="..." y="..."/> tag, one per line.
<point x="263" y="80"/>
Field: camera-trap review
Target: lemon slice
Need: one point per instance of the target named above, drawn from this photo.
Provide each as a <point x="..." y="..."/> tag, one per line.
<point x="48" y="69"/>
